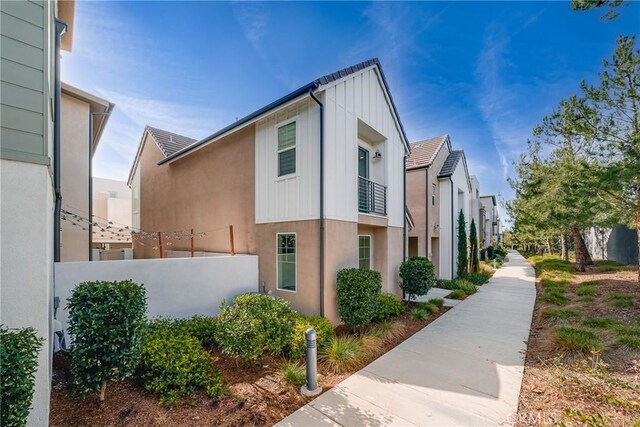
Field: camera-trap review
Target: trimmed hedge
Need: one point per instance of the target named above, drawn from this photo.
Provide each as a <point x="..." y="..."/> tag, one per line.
<point x="19" y="362"/>
<point x="298" y="344"/>
<point x="253" y="324"/>
<point x="107" y="321"/>
<point x="417" y="276"/>
<point x="388" y="306"/>
<point x="358" y="292"/>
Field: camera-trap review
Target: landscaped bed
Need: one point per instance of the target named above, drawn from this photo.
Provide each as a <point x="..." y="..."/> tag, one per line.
<point x="255" y="393"/>
<point x="583" y="356"/>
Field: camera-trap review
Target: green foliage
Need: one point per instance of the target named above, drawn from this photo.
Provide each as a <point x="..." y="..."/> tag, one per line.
<point x="630" y="342"/>
<point x="463" y="260"/>
<point x="19" y="362"/>
<point x="107" y="321"/>
<point x="445" y="284"/>
<point x="438" y="302"/>
<point x="611" y="5"/>
<point x="575" y="339"/>
<point x="388" y="330"/>
<point x="554" y="297"/>
<point x="560" y="314"/>
<point x="620" y="300"/>
<point x="342" y="354"/>
<point x="298" y="344"/>
<point x="255" y="323"/>
<point x="585" y="290"/>
<point x="293" y="374"/>
<point x="417" y="276"/>
<point x="420" y="313"/>
<point x="201" y="327"/>
<point x="465" y="285"/>
<point x="457" y="294"/>
<point x="430" y="307"/>
<point x="551" y="284"/>
<point x="479" y="278"/>
<point x="474" y="255"/>
<point x="174" y="365"/>
<point x="358" y="292"/>
<point x="388" y="306"/>
<point x="599" y="322"/>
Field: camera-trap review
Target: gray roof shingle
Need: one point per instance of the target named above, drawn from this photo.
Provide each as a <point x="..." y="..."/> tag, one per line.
<point x="449" y="165"/>
<point x="423" y="153"/>
<point x="169" y="142"/>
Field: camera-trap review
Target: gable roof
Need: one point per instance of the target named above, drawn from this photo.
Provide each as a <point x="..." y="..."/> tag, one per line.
<point x="451" y="163"/>
<point x="424" y="152"/>
<point x="304" y="90"/>
<point x="169" y="142"/>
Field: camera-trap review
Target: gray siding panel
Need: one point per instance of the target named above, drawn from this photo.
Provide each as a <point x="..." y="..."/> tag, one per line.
<point x="20" y="97"/>
<point x="18" y="29"/>
<point x="27" y="11"/>
<point x="19" y="119"/>
<point x="19" y="75"/>
<point x="21" y="53"/>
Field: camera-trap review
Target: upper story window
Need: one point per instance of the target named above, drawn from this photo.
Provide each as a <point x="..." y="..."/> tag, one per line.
<point x="287" y="149"/>
<point x="433" y="194"/>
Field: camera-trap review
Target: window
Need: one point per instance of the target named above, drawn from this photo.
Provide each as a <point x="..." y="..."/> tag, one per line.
<point x="287" y="149"/>
<point x="364" y="251"/>
<point x="433" y="194"/>
<point x="286" y="262"/>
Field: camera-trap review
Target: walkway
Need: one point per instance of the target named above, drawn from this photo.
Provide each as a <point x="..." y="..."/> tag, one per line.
<point x="464" y="369"/>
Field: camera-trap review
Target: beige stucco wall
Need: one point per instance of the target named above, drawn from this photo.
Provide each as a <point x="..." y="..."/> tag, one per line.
<point x="74" y="177"/>
<point x="207" y="191"/>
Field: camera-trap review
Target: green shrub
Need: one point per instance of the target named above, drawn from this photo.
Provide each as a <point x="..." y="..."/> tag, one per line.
<point x="253" y="324"/>
<point x="420" y="313"/>
<point x="560" y="314"/>
<point x="465" y="285"/>
<point x="432" y="308"/>
<point x="201" y="327"/>
<point x="599" y="322"/>
<point x="174" y="365"/>
<point x="417" y="276"/>
<point x="298" y="344"/>
<point x="107" y="321"/>
<point x="388" y="306"/>
<point x="575" y="339"/>
<point x="358" y="292"/>
<point x="342" y="354"/>
<point x="438" y="302"/>
<point x="479" y="278"/>
<point x="445" y="284"/>
<point x="294" y="374"/>
<point x="585" y="290"/>
<point x="18" y="362"/>
<point x="456" y="294"/>
<point x="388" y="330"/>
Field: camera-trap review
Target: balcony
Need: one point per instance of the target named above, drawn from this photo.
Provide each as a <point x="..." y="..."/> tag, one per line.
<point x="372" y="197"/>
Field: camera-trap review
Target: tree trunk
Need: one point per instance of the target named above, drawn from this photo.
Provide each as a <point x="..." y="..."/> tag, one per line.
<point x="549" y="247"/>
<point x="582" y="253"/>
<point x="564" y="244"/>
<point x="103" y="388"/>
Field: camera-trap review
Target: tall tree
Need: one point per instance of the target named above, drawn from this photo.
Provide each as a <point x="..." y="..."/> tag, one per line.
<point x="462" y="245"/>
<point x="474" y="255"/>
<point x="611" y="5"/>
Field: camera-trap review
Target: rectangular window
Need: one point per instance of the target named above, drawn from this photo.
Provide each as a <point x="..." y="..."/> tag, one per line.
<point x="287" y="149"/>
<point x="364" y="250"/>
<point x="286" y="261"/>
<point x="433" y="194"/>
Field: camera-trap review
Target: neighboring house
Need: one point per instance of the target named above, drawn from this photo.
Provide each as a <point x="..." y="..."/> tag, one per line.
<point x="475" y="207"/>
<point x="311" y="183"/>
<point x="31" y="37"/>
<point x="112" y="204"/>
<point x="616" y="244"/>
<point x="492" y="227"/>
<point x="438" y="187"/>
<point x="84" y="118"/>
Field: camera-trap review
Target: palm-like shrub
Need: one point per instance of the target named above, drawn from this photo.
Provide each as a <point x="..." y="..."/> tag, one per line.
<point x="342" y="354"/>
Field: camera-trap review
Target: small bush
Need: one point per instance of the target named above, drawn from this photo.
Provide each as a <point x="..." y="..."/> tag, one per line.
<point x="445" y="284"/>
<point x="560" y="314"/>
<point x="342" y="354"/>
<point x="431" y="308"/>
<point x="585" y="290"/>
<point x="293" y="374"/>
<point x="478" y="279"/>
<point x="107" y="321"/>
<point x="174" y="365"/>
<point x="298" y="344"/>
<point x="388" y="330"/>
<point x="19" y="362"/>
<point x="465" y="285"/>
<point x="202" y="328"/>
<point x="629" y="342"/>
<point x="253" y="324"/>
<point x="417" y="276"/>
<point x="575" y="339"/>
<point x="620" y="300"/>
<point x="599" y="322"/>
<point x="371" y="345"/>
<point x="358" y="292"/>
<point x="456" y="294"/>
<point x="438" y="302"/>
<point x="388" y="306"/>
<point x="420" y="313"/>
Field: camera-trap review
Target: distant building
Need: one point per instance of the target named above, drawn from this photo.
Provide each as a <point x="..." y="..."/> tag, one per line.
<point x="492" y="227"/>
<point x="615" y="244"/>
<point x="112" y="204"/>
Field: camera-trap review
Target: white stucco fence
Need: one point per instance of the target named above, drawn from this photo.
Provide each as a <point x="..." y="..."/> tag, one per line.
<point x="176" y="287"/>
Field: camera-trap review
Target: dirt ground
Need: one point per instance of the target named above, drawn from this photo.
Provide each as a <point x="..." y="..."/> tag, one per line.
<point x="562" y="388"/>
<point x="255" y="395"/>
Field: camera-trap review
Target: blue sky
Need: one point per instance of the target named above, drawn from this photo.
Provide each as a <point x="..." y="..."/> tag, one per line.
<point x="483" y="72"/>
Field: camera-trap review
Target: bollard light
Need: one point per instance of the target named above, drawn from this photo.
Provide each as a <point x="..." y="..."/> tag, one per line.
<point x="311" y="388"/>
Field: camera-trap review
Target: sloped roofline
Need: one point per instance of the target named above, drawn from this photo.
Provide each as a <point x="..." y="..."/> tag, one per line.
<point x="300" y="92"/>
<point x="466" y="169"/>
<point x="446" y="141"/>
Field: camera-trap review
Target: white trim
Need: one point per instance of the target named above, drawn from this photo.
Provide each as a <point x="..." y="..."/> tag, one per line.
<point x="277" y="261"/>
<point x="370" y="236"/>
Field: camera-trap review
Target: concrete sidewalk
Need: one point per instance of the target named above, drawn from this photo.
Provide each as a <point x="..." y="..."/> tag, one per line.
<point x="464" y="369"/>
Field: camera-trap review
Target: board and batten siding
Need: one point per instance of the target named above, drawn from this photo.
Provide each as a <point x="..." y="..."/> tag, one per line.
<point x="26" y="60"/>
<point x="359" y="96"/>
<point x="295" y="197"/>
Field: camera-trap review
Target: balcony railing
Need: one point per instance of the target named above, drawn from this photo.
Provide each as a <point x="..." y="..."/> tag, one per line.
<point x="372" y="197"/>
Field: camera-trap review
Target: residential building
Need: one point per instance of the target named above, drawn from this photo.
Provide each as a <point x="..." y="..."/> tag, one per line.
<point x="619" y="243"/>
<point x="438" y="187"/>
<point x="32" y="33"/>
<point x="311" y="183"/>
<point x="475" y="207"/>
<point x="112" y="205"/>
<point x="492" y="227"/>
<point x="83" y="120"/>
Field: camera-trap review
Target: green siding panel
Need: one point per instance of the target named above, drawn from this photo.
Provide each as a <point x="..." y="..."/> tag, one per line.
<point x="19" y="119"/>
<point x="18" y="29"/>
<point x="20" y="75"/>
<point x="19" y="97"/>
<point x="17" y="141"/>
<point x="27" y="11"/>
<point x="21" y="53"/>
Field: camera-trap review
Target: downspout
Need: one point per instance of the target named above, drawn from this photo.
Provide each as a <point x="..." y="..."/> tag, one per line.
<point x="322" y="231"/>
<point x="453" y="228"/>
<point x="404" y="208"/>
<point x="61" y="28"/>
<point x="427" y="204"/>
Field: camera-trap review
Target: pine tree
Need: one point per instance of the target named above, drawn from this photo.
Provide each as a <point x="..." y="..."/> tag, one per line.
<point x="474" y="260"/>
<point x="462" y="246"/>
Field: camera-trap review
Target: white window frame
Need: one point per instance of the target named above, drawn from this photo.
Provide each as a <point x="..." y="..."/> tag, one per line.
<point x="284" y="233"/>
<point x="278" y="151"/>
<point x="434" y="188"/>
<point x="370" y="249"/>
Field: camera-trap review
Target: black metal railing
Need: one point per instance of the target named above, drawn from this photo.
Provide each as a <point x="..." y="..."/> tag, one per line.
<point x="372" y="197"/>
